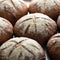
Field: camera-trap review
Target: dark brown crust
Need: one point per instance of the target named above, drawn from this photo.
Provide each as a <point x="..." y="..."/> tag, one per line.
<point x="5" y="33"/>
<point x="53" y="47"/>
<point x="58" y="23"/>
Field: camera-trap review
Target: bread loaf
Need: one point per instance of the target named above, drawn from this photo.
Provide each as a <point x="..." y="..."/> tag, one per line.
<point x="12" y="9"/>
<point x="36" y="26"/>
<point x="6" y="30"/>
<point x="21" y="49"/>
<point x="53" y="47"/>
<point x="48" y="7"/>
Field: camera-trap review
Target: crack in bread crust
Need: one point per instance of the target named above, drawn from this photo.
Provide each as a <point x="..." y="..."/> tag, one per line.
<point x="15" y="46"/>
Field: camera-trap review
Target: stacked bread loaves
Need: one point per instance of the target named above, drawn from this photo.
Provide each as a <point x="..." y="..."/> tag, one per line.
<point x="23" y="37"/>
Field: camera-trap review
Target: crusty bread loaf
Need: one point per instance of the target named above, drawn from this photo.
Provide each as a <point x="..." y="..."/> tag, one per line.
<point x="36" y="26"/>
<point x="12" y="9"/>
<point x="6" y="30"/>
<point x="48" y="7"/>
<point x="22" y="49"/>
<point x="53" y="47"/>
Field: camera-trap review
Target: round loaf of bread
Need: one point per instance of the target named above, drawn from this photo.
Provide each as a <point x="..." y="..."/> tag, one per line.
<point x="53" y="47"/>
<point x="21" y="49"/>
<point x="48" y="7"/>
<point x="6" y="30"/>
<point x="36" y="26"/>
<point x="12" y="9"/>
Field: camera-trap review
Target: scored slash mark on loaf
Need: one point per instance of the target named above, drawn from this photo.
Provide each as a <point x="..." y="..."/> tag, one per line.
<point x="28" y="51"/>
<point x="18" y="42"/>
<point x="56" y="3"/>
<point x="15" y="46"/>
<point x="13" y="4"/>
<point x="19" y="56"/>
<point x="6" y="47"/>
<point x="34" y="21"/>
<point x="25" y="20"/>
<point x="28" y="19"/>
<point x="17" y="6"/>
<point x="27" y="29"/>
